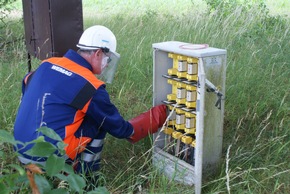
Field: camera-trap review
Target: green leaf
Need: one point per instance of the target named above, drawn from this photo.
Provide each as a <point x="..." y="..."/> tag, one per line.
<point x="57" y="191"/>
<point x="39" y="139"/>
<point x="76" y="182"/>
<point x="69" y="169"/>
<point x="42" y="184"/>
<point x="3" y="188"/>
<point x="6" y="137"/>
<point x="49" y="133"/>
<point x="99" y="190"/>
<point x="18" y="168"/>
<point x="54" y="164"/>
<point x="61" y="176"/>
<point x="61" y="146"/>
<point x="41" y="149"/>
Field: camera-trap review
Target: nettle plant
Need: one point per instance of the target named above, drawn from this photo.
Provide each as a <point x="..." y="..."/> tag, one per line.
<point x="54" y="177"/>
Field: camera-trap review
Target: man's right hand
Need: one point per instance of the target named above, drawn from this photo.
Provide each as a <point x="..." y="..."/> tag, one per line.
<point x="148" y="122"/>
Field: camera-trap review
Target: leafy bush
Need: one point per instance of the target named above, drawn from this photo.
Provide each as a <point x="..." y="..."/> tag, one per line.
<point x="5" y="9"/>
<point x="54" y="177"/>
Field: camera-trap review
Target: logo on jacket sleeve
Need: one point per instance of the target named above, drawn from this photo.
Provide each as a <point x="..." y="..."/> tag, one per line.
<point x="61" y="70"/>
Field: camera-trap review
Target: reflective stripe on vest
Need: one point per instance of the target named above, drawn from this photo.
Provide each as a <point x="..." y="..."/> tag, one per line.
<point x="97" y="143"/>
<point x="90" y="156"/>
<point x="87" y="157"/>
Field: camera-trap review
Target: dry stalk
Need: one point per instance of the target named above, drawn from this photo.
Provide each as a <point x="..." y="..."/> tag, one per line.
<point x="32" y="169"/>
<point x="227" y="169"/>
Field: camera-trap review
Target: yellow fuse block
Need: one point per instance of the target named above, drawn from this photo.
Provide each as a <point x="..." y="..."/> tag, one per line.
<point x="191" y="96"/>
<point x="177" y="135"/>
<point x="190" y="104"/>
<point x="168" y="130"/>
<point x="186" y="139"/>
<point x="173" y="70"/>
<point x="181" y="93"/>
<point x="181" y="85"/>
<point x="180" y="119"/>
<point x="172" y="96"/>
<point x="192" y="66"/>
<point x="174" y="86"/>
<point x="192" y="69"/>
<point x="179" y="111"/>
<point x="171" y="120"/>
<point x="181" y="101"/>
<point x="181" y="66"/>
<point x="191" y="77"/>
<point x="190" y="130"/>
<point x="181" y="74"/>
<point x="179" y="127"/>
<point x="190" y="115"/>
<point x="190" y="123"/>
<point x="192" y="60"/>
<point x="171" y="55"/>
<point x="181" y="57"/>
<point x="191" y="93"/>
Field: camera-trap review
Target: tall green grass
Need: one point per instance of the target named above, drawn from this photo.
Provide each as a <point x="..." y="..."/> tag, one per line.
<point x="256" y="131"/>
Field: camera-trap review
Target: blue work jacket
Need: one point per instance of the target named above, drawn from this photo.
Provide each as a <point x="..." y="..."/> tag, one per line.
<point x="63" y="94"/>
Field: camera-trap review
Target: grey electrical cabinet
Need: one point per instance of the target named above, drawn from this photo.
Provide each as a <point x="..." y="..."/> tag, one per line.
<point x="52" y="26"/>
<point x="190" y="80"/>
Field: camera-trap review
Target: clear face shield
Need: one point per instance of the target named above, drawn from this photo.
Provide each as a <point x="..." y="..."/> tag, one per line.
<point x="110" y="67"/>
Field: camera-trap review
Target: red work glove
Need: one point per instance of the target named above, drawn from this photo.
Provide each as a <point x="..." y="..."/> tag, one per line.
<point x="148" y="122"/>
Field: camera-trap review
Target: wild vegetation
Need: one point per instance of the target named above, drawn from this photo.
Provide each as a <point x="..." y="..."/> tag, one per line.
<point x="256" y="35"/>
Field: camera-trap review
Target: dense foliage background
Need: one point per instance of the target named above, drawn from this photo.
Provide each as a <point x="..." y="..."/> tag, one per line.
<point x="256" y="35"/>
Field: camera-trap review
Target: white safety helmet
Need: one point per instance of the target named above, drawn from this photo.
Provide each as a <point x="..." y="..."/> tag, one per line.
<point x="97" y="37"/>
<point x="100" y="37"/>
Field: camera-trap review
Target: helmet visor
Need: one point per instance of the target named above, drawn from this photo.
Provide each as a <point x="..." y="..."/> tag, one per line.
<point x="108" y="73"/>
